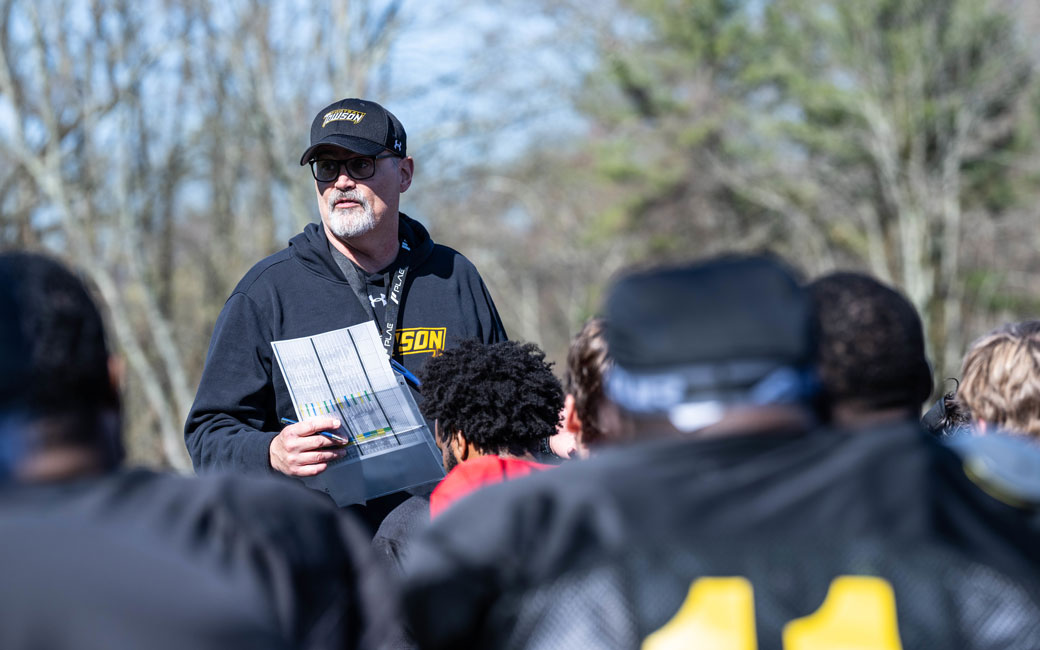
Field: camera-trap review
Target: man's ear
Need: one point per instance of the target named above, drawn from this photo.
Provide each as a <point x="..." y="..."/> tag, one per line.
<point x="571" y="423"/>
<point x="406" y="168"/>
<point x="116" y="375"/>
<point x="116" y="372"/>
<point x="460" y="446"/>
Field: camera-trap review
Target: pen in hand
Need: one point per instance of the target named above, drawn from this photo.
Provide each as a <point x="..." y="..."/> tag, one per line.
<point x="328" y="434"/>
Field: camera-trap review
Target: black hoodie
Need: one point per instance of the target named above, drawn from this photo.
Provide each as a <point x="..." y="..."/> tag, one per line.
<point x="300" y="291"/>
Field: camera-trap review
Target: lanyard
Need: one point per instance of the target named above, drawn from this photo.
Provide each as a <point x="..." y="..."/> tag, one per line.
<point x="396" y="281"/>
<point x="395" y="284"/>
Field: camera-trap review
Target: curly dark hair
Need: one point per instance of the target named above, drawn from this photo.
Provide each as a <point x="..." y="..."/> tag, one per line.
<point x="871" y="344"/>
<point x="503" y="397"/>
<point x="947" y="416"/>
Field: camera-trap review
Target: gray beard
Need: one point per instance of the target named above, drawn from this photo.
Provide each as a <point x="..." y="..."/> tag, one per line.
<point x="352" y="222"/>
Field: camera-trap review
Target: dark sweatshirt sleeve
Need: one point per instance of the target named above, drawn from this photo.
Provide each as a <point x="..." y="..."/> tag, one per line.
<point x="236" y="397"/>
<point x="491" y="323"/>
<point x="475" y="305"/>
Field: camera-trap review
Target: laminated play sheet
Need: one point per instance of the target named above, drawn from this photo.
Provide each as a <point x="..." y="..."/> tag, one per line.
<point x="346" y="373"/>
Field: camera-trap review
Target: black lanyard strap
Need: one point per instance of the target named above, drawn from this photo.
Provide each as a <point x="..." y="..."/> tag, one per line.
<point x="394" y="281"/>
<point x="393" y="306"/>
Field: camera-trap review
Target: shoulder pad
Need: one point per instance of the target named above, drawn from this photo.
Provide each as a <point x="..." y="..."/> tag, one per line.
<point x="1006" y="466"/>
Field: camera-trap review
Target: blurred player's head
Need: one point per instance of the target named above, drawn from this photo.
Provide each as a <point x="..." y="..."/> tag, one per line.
<point x="710" y="346"/>
<point x="499" y="398"/>
<point x="871" y="359"/>
<point x="1000" y="379"/>
<point x="58" y="394"/>
<point x="587" y="414"/>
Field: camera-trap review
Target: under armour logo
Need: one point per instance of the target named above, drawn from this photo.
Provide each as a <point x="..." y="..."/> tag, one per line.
<point x="374" y="300"/>
<point x="397" y="145"/>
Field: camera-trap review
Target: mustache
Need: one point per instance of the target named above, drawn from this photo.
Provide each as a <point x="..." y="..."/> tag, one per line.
<point x="349" y="195"/>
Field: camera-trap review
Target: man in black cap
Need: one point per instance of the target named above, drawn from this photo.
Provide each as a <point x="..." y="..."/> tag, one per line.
<point x="365" y="261"/>
<point x="726" y="519"/>
<point x="97" y="556"/>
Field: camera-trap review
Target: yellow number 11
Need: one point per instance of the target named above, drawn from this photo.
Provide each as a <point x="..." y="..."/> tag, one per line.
<point x="859" y="613"/>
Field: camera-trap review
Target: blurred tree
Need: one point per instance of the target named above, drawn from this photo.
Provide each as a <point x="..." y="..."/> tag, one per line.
<point x="893" y="113"/>
<point x="878" y="134"/>
<point x="154" y="145"/>
<point x="521" y="196"/>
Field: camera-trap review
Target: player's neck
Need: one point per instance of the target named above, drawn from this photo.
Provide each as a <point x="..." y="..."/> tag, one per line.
<point x="502" y="453"/>
<point x="372" y="251"/>
<point x="98" y="449"/>
<point x="852" y="415"/>
<point x="61" y="464"/>
<point x="527" y="455"/>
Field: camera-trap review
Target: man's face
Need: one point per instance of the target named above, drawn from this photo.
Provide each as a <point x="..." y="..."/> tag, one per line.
<point x="351" y="208"/>
<point x="448" y="457"/>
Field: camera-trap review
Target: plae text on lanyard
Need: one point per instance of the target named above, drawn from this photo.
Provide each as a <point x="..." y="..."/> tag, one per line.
<point x="395" y="280"/>
<point x="393" y="306"/>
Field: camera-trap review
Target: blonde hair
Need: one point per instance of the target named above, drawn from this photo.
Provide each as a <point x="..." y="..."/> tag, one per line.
<point x="1000" y="378"/>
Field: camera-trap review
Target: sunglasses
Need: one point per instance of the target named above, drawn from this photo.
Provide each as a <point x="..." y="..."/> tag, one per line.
<point x="360" y="168"/>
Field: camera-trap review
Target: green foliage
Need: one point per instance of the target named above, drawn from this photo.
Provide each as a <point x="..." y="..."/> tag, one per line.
<point x="983" y="285"/>
<point x="616" y="161"/>
<point x="866" y="133"/>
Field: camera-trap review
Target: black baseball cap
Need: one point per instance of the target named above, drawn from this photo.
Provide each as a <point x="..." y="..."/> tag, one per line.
<point x="733" y="329"/>
<point x="357" y="125"/>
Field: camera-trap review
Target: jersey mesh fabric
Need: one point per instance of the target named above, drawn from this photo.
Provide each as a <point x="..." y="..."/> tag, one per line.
<point x="942" y="599"/>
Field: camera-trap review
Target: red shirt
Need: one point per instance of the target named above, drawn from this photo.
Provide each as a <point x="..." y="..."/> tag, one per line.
<point x="471" y="475"/>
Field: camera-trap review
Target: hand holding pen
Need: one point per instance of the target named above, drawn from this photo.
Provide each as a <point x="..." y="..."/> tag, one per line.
<point x="328" y="434"/>
<point x="306" y="448"/>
